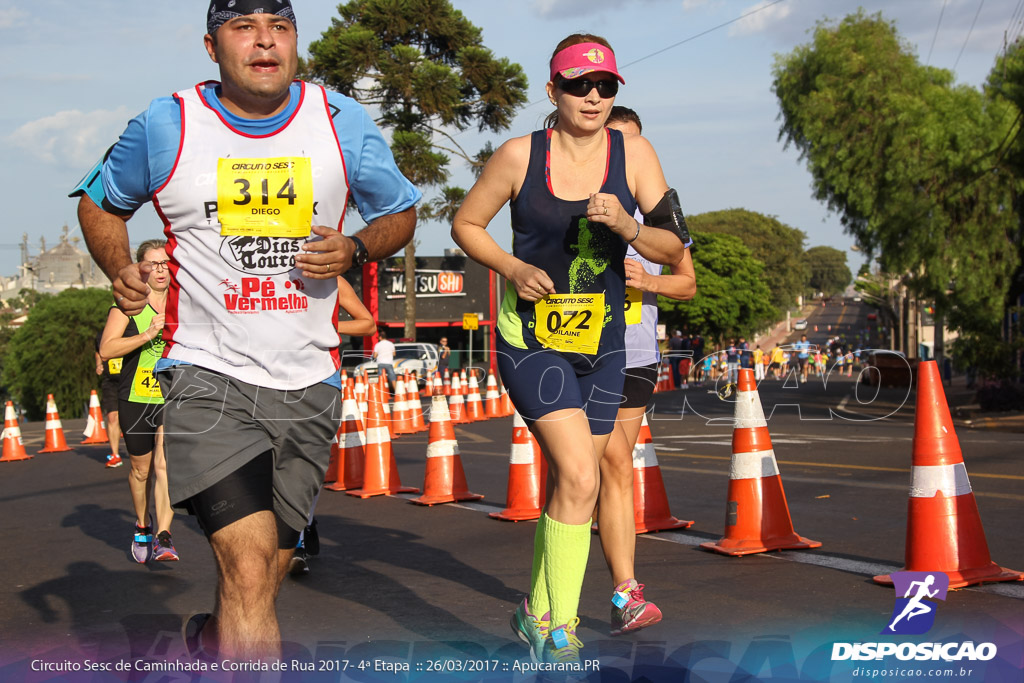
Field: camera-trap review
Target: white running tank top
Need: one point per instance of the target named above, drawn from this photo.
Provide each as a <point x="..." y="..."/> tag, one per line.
<point x="237" y="304"/>
<point x="641" y="337"/>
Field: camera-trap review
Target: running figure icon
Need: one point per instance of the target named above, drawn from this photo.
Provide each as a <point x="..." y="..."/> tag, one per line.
<point x="912" y="591"/>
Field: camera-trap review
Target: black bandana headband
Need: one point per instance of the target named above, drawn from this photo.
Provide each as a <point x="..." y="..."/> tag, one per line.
<point x="222" y="11"/>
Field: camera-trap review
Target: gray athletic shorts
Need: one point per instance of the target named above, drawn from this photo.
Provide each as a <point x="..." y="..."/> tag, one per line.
<point x="214" y="424"/>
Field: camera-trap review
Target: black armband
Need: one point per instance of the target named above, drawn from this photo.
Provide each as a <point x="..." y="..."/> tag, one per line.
<point x="668" y="215"/>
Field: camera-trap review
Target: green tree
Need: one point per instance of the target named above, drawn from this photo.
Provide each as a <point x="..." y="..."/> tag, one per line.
<point x="732" y="296"/>
<point x="778" y="246"/>
<point x="52" y="353"/>
<point x="424" y="67"/>
<point x="827" y="270"/>
<point x="908" y="160"/>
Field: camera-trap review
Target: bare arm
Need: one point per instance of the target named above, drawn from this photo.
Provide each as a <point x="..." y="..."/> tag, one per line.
<point x="496" y="185"/>
<point x="647" y="181"/>
<point x="362" y="323"/>
<point x="680" y="285"/>
<point x="106" y="235"/>
<point x="114" y="344"/>
<point x="332" y="256"/>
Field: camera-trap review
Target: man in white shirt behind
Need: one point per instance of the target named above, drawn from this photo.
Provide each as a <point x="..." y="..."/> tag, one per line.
<point x="384" y="354"/>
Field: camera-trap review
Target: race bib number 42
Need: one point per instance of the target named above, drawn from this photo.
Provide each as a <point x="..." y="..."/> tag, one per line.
<point x="570" y="322"/>
<point x="265" y="197"/>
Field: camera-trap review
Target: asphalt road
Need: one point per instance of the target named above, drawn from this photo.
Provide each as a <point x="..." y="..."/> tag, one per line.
<point x="403" y="584"/>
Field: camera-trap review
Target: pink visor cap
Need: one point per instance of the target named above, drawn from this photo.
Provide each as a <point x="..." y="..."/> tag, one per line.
<point x="577" y="60"/>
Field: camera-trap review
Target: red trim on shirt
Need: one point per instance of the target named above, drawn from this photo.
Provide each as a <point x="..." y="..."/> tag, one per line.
<point x="181" y="144"/>
<point x="202" y="98"/>
<point x="344" y="166"/>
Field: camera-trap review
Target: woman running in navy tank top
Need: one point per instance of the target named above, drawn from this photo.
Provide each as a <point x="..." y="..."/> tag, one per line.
<point x="560" y="332"/>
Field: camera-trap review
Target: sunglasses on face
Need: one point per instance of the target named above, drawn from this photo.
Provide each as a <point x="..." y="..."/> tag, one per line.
<point x="581" y="87"/>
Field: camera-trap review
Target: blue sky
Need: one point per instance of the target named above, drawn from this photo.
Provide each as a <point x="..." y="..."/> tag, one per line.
<point x="76" y="72"/>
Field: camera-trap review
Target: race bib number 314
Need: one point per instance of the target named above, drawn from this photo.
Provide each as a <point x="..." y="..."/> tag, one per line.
<point x="265" y="197"/>
<point x="570" y="322"/>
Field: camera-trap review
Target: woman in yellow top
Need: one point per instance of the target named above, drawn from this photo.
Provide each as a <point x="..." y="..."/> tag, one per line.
<point x="138" y="339"/>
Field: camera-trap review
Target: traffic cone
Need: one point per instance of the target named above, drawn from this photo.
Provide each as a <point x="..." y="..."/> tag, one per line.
<point x="380" y="471"/>
<point x="474" y="406"/>
<point x="401" y="419"/>
<point x="506" y="402"/>
<point x="360" y="393"/>
<point x="527" y="476"/>
<point x="14" y="448"/>
<point x="456" y="403"/>
<point x="438" y="388"/>
<point x="757" y="515"/>
<point x="670" y="379"/>
<point x="447" y="383"/>
<point x="347" y="455"/>
<point x="444" y="480"/>
<point x="944" y="532"/>
<point x="416" y="405"/>
<point x="650" y="502"/>
<point x="95" y="432"/>
<point x="492" y="400"/>
<point x="54" y="441"/>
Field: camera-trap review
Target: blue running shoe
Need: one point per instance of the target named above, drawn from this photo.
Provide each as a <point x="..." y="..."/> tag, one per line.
<point x="163" y="549"/>
<point x="530" y="629"/>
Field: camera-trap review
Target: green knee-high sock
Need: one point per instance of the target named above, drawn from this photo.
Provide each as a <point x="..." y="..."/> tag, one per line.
<point x="539" y="603"/>
<point x="566" y="551"/>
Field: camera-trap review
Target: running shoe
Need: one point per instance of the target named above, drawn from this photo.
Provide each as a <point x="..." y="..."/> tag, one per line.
<point x="192" y="634"/>
<point x="562" y="645"/>
<point x="630" y="612"/>
<point x="114" y="460"/>
<point x="163" y="549"/>
<point x="141" y="544"/>
<point x="530" y="629"/>
<point x="299" y="564"/>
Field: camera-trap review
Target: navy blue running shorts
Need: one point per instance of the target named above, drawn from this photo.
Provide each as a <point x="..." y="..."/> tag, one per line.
<point x="540" y="382"/>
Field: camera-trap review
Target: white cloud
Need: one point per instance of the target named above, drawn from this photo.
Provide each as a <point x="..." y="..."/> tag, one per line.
<point x="11" y="17"/>
<point x="764" y="18"/>
<point x="70" y="137"/>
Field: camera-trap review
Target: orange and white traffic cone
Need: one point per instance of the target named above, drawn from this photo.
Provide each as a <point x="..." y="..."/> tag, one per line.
<point x="14" y="448"/>
<point x="456" y="402"/>
<point x="650" y="502"/>
<point x="401" y="419"/>
<point x="380" y="471"/>
<point x="757" y="515"/>
<point x="448" y="383"/>
<point x="444" y="480"/>
<point x="506" y="403"/>
<point x="359" y="392"/>
<point x="347" y="457"/>
<point x="944" y="531"/>
<point x="416" y="405"/>
<point x="474" y="406"/>
<point x="527" y="475"/>
<point x="95" y="431"/>
<point x="492" y="400"/>
<point x="54" y="440"/>
<point x="438" y="386"/>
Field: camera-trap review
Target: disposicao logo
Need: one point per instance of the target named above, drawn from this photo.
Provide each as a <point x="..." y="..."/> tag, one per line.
<point x="912" y="615"/>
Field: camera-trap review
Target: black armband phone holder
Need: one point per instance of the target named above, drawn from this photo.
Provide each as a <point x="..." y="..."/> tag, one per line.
<point x="668" y="215"/>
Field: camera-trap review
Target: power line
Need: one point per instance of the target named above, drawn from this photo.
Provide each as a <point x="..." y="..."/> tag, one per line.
<point x="969" y="32"/>
<point x="937" y="26"/>
<point x="687" y="40"/>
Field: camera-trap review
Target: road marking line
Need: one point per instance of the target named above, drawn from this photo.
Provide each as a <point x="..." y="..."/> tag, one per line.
<point x="841" y="466"/>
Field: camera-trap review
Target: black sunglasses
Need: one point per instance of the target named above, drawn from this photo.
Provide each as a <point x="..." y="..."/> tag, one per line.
<point x="581" y="87"/>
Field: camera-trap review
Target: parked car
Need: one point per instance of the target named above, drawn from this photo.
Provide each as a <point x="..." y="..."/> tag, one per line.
<point x="409" y="356"/>
<point x="800" y="325"/>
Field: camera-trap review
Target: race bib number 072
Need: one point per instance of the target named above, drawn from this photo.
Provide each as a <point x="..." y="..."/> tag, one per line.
<point x="265" y="197"/>
<point x="570" y="322"/>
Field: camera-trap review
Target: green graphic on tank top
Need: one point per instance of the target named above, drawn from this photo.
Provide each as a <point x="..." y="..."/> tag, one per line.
<point x="145" y="388"/>
<point x="593" y="247"/>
